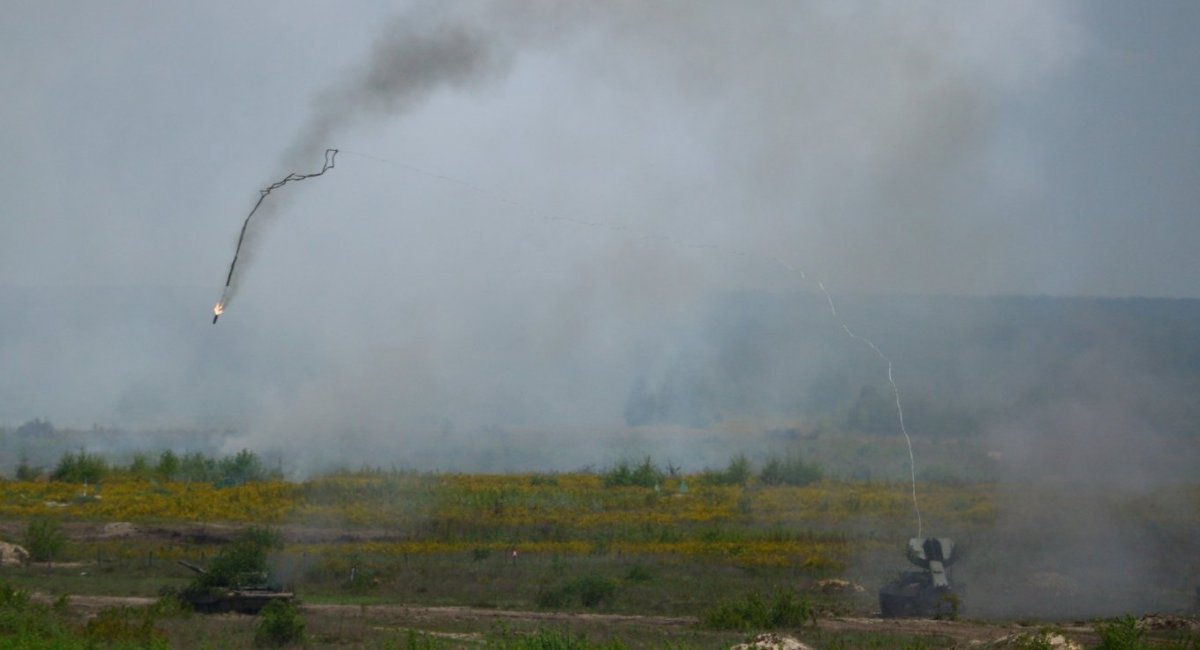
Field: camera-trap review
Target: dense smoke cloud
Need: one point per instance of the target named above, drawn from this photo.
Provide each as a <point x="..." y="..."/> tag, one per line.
<point x="839" y="139"/>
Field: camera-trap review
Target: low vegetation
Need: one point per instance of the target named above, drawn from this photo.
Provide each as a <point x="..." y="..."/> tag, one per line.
<point x="626" y="474"/>
<point x="636" y="538"/>
<point x="26" y="624"/>
<point x="44" y="539"/>
<point x="755" y="612"/>
<point x="279" y="624"/>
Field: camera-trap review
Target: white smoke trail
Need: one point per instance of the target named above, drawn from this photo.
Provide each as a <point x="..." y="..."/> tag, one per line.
<point x="912" y="462"/>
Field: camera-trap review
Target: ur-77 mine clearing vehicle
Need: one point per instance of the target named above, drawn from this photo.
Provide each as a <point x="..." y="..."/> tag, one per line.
<point x="246" y="594"/>
<point x="925" y="593"/>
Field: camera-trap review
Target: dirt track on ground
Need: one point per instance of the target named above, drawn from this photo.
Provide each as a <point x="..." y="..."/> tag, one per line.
<point x="961" y="632"/>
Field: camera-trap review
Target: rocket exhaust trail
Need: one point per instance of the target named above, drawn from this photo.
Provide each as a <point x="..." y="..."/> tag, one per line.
<point x="226" y="294"/>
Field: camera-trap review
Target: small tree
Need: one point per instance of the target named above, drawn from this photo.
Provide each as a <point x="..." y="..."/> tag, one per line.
<point x="80" y="468"/>
<point x="624" y="474"/>
<point x="736" y="473"/>
<point x="243" y="467"/>
<point x="279" y="624"/>
<point x="139" y="465"/>
<point x="195" y="466"/>
<point x="27" y="472"/>
<point x="168" y="465"/>
<point x="44" y="539"/>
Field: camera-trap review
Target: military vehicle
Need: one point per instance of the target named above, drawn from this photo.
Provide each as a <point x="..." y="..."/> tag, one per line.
<point x="925" y="593"/>
<point x="247" y="593"/>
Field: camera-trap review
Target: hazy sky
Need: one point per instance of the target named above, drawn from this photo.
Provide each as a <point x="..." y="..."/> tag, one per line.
<point x="1012" y="147"/>
<point x="931" y="147"/>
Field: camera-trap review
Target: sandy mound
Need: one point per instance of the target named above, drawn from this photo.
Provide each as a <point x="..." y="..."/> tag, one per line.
<point x="119" y="529"/>
<point x="771" y="642"/>
<point x="12" y="555"/>
<point x="837" y="586"/>
<point x="1032" y="640"/>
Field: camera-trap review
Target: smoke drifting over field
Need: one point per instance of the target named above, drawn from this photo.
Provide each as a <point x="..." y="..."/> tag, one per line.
<point x="784" y="132"/>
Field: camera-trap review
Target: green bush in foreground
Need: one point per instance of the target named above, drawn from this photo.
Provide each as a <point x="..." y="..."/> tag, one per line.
<point x="20" y="619"/>
<point x="789" y="471"/>
<point x="34" y="626"/>
<point x="590" y="591"/>
<point x="1120" y="634"/>
<point x="44" y="539"/>
<point x="125" y="626"/>
<point x="756" y="613"/>
<point x="279" y="624"/>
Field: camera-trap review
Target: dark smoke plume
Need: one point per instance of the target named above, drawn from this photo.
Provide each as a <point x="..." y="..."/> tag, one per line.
<point x="227" y="293"/>
<point x="419" y="53"/>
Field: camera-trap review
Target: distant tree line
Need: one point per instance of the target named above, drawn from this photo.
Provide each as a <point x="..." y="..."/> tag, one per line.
<point x="777" y="470"/>
<point x="85" y="467"/>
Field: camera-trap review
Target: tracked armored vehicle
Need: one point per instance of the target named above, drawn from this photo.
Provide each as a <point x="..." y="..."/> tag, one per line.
<point x="246" y="593"/>
<point x="927" y="593"/>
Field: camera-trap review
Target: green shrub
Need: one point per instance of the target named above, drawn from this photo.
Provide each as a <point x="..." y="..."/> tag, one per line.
<point x="27" y="472"/>
<point x="279" y="624"/>
<point x="1120" y="634"/>
<point x="195" y="466"/>
<point x="12" y="598"/>
<point x="590" y="591"/>
<point x="789" y="471"/>
<point x="593" y="591"/>
<point x="23" y="621"/>
<point x="80" y="468"/>
<point x="639" y="573"/>
<point x="754" y="612"/>
<point x="241" y="468"/>
<point x="737" y="472"/>
<point x="139" y="465"/>
<point x="44" y="539"/>
<point x="625" y="474"/>
<point x="125" y="626"/>
<point x="25" y="624"/>
<point x="550" y="598"/>
<point x="168" y="465"/>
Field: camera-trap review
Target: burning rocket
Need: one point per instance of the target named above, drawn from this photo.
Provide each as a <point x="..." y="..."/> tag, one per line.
<point x="330" y="156"/>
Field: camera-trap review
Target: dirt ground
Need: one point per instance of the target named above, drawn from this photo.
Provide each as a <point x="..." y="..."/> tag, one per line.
<point x="963" y="633"/>
<point x="438" y="619"/>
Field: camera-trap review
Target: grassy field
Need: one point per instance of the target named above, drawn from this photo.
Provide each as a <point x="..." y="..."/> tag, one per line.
<point x="361" y="547"/>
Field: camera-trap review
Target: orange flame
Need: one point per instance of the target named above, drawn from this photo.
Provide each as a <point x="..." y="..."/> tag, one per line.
<point x="219" y="309"/>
